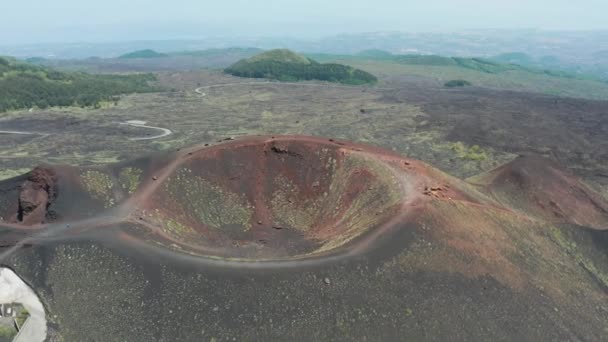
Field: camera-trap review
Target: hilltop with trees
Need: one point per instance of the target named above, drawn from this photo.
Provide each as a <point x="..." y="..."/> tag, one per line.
<point x="285" y="65"/>
<point x="23" y="85"/>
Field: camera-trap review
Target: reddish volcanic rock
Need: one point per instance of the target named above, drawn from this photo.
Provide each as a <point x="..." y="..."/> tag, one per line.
<point x="37" y="194"/>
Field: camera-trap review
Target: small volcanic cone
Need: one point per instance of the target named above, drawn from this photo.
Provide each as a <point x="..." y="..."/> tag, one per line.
<point x="541" y="188"/>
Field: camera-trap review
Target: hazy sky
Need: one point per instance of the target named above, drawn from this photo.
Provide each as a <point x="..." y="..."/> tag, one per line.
<point x="31" y="21"/>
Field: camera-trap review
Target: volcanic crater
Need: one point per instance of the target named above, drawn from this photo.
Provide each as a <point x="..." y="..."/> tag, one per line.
<point x="274" y="198"/>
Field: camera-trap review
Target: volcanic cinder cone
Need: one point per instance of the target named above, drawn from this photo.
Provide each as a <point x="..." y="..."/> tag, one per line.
<point x="304" y="203"/>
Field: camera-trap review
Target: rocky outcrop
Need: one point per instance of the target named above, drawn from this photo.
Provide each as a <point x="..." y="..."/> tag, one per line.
<point x="37" y="194"/>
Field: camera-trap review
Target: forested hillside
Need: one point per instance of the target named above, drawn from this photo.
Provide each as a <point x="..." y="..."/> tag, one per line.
<point x="24" y="85"/>
<point x="284" y="65"/>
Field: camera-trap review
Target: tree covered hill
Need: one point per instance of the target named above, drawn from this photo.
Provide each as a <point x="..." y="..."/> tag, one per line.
<point x="285" y="65"/>
<point x="142" y="54"/>
<point x="280" y="55"/>
<point x="23" y="85"/>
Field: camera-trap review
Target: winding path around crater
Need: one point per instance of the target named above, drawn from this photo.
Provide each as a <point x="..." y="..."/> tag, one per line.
<point x="142" y="124"/>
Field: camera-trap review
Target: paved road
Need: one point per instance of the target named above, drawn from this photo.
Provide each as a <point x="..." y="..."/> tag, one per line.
<point x="142" y="124"/>
<point x="17" y="132"/>
<point x="14" y="290"/>
<point x="32" y="330"/>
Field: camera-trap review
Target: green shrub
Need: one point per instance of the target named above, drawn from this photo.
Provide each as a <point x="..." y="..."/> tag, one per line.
<point x="22" y="317"/>
<point x="468" y="153"/>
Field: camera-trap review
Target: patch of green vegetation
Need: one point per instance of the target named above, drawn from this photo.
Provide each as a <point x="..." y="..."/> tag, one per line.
<point x="24" y="85"/>
<point x="22" y="316"/>
<point x="129" y="179"/>
<point x="284" y="65"/>
<point x="572" y="249"/>
<point x="457" y="83"/>
<point x="173" y="227"/>
<point x="209" y="203"/>
<point x="99" y="185"/>
<point x="10" y="173"/>
<point x="178" y="229"/>
<point x="469" y="153"/>
<point x="142" y="54"/>
<point x="7" y="333"/>
<point x="281" y="55"/>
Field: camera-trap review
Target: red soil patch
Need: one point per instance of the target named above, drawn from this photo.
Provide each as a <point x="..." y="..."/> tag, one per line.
<point x="36" y="196"/>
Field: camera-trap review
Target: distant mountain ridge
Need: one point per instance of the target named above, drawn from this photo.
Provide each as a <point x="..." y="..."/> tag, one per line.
<point x="236" y="51"/>
<point x="143" y="54"/>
